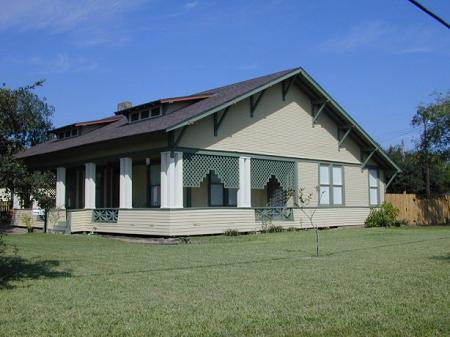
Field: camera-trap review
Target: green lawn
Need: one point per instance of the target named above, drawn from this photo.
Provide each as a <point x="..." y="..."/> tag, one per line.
<point x="368" y="282"/>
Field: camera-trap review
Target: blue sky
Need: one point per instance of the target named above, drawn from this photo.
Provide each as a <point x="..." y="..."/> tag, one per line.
<point x="378" y="59"/>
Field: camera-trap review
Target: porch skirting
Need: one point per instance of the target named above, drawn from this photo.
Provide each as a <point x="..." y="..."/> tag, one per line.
<point x="190" y="221"/>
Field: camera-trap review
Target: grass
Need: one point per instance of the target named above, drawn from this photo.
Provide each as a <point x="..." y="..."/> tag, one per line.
<point x="367" y="282"/>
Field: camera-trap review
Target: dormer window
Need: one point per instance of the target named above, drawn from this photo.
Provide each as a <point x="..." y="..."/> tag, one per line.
<point x="134" y="116"/>
<point x="156" y="111"/>
<point x="144" y="114"/>
<point x="67" y="133"/>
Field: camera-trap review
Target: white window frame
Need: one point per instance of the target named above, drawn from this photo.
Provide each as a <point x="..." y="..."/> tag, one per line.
<point x="331" y="184"/>
<point x="374" y="187"/>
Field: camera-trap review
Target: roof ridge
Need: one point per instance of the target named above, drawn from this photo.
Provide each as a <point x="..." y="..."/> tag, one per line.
<point x="276" y="74"/>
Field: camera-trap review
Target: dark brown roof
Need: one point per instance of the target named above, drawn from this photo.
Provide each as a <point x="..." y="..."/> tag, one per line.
<point x="213" y="98"/>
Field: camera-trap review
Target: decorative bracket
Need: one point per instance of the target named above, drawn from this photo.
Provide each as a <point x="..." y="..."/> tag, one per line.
<point x="175" y="140"/>
<point x="363" y="165"/>
<point x="390" y="180"/>
<point x="317" y="114"/>
<point x="342" y="139"/>
<point x="254" y="102"/>
<point x="218" y="121"/>
<point x="285" y="85"/>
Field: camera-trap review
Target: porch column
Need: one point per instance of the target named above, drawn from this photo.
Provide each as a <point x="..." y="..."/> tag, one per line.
<point x="16" y="201"/>
<point x="126" y="183"/>
<point x="61" y="187"/>
<point x="171" y="180"/>
<point x="244" y="192"/>
<point x="89" y="186"/>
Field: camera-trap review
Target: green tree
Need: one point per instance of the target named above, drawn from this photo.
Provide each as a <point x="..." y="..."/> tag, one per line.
<point x="25" y="120"/>
<point x="434" y="118"/>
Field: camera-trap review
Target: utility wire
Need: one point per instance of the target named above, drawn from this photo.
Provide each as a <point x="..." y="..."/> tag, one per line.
<point x="430" y="13"/>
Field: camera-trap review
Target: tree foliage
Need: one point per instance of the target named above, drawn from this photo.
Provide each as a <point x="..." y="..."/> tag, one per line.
<point x="25" y="119"/>
<point x="426" y="168"/>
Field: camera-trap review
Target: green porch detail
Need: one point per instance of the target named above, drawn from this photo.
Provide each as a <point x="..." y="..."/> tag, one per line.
<point x="197" y="166"/>
<point x="262" y="170"/>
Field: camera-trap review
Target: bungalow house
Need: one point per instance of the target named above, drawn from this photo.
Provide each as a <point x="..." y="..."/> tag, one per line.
<point x="216" y="160"/>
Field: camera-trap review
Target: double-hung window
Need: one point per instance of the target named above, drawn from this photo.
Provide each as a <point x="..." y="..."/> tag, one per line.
<point x="219" y="195"/>
<point x="331" y="181"/>
<point x="374" y="187"/>
<point x="155" y="185"/>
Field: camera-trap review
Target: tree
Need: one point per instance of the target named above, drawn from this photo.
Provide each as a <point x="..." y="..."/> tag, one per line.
<point x="434" y="118"/>
<point x="411" y="179"/>
<point x="25" y="120"/>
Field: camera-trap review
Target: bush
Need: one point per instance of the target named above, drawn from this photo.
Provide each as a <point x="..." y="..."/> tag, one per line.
<point x="27" y="220"/>
<point x="231" y="232"/>
<point x="385" y="216"/>
<point x="274" y="229"/>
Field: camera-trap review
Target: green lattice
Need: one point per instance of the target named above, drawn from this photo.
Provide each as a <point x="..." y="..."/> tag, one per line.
<point x="262" y="170"/>
<point x="197" y="166"/>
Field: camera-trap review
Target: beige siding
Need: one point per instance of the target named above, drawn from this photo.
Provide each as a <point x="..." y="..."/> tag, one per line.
<point x="259" y="198"/>
<point x="281" y="128"/>
<point x="146" y="222"/>
<point x="139" y="189"/>
<point x="200" y="195"/>
<point x="211" y="221"/>
<point x="308" y="178"/>
<point x="18" y="217"/>
<point x="80" y="220"/>
<point x="356" y="186"/>
<point x="326" y="217"/>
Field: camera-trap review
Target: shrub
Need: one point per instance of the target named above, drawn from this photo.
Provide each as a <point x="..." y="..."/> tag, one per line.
<point x="27" y="221"/>
<point x="291" y="229"/>
<point x="274" y="229"/>
<point x="384" y="216"/>
<point x="231" y="232"/>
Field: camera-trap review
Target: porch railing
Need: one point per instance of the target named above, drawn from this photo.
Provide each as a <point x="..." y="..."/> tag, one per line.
<point x="274" y="214"/>
<point x="105" y="215"/>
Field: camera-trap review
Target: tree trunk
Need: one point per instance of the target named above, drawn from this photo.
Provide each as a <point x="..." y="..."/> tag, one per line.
<point x="45" y="221"/>
<point x="427" y="179"/>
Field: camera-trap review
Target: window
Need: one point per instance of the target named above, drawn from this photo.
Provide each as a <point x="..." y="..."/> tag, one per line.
<point x="67" y="134"/>
<point x="219" y="195"/>
<point x="144" y="114"/>
<point x="374" y="188"/>
<point x="155" y="185"/>
<point x="74" y="132"/>
<point x="331" y="190"/>
<point x="155" y="111"/>
<point x="134" y="116"/>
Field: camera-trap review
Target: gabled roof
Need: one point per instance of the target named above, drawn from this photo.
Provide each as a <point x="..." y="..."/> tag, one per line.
<point x="204" y="104"/>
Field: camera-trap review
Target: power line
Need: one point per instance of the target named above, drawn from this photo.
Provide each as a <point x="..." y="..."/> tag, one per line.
<point x="430" y="13"/>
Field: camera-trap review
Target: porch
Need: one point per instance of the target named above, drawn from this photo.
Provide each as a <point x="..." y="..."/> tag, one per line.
<point x="180" y="193"/>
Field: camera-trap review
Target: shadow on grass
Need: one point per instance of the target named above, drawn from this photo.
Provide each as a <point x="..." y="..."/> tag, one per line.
<point x="441" y="257"/>
<point x="15" y="268"/>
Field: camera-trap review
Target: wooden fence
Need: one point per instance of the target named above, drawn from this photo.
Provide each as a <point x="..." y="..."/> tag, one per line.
<point x="418" y="210"/>
<point x="4" y="206"/>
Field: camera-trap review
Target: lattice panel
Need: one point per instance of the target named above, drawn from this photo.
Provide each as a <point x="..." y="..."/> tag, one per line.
<point x="262" y="170"/>
<point x="105" y="215"/>
<point x="197" y="166"/>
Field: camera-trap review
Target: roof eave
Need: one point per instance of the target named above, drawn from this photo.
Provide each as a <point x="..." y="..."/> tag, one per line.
<point x="233" y="101"/>
<point x="345" y="114"/>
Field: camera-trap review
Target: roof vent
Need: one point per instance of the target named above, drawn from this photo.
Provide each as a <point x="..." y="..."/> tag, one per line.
<point x="124" y="105"/>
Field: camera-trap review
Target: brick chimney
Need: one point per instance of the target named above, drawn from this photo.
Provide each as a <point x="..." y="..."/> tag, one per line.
<point x="124" y="105"/>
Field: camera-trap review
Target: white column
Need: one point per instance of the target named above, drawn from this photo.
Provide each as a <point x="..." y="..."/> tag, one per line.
<point x="89" y="186"/>
<point x="61" y="187"/>
<point x="16" y="201"/>
<point x="126" y="183"/>
<point x="244" y="192"/>
<point x="172" y="180"/>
